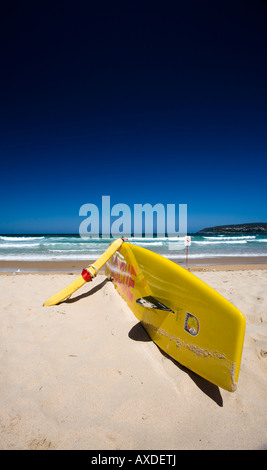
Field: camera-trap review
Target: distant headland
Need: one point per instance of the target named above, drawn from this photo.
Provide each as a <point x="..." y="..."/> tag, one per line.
<point x="260" y="227"/>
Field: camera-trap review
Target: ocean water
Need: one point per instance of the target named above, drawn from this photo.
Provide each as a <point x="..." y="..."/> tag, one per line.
<point x="71" y="247"/>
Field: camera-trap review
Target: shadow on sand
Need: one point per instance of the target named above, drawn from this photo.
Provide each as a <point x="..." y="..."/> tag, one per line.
<point x="86" y="294"/>
<point x="138" y="333"/>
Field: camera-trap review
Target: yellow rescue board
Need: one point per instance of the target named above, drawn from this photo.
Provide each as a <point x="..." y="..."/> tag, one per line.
<point x="185" y="317"/>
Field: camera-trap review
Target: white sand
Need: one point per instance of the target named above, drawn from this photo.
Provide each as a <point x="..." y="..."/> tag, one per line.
<point x="84" y="375"/>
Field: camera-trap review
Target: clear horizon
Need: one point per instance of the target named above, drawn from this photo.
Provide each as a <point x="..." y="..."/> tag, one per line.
<point x="132" y="234"/>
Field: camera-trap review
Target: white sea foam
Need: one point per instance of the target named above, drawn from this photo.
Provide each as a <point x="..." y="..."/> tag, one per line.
<point x="220" y="242"/>
<point x="211" y="255"/>
<point x="222" y="237"/>
<point x="46" y="257"/>
<point x="148" y="240"/>
<point x="74" y="253"/>
<point x="19" y="239"/>
<point x="146" y="244"/>
<point x="19" y="246"/>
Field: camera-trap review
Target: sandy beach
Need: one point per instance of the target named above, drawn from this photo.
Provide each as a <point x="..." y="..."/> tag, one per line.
<point x="85" y="375"/>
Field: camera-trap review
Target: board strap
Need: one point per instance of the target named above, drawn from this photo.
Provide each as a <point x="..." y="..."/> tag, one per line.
<point x="86" y="276"/>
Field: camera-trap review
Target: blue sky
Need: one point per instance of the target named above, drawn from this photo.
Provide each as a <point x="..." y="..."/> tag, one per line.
<point x="146" y="102"/>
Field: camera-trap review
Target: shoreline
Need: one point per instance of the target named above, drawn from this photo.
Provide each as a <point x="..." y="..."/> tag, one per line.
<point x="202" y="264"/>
